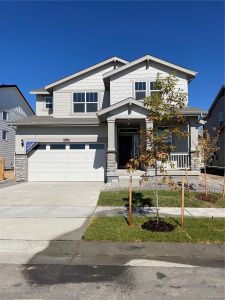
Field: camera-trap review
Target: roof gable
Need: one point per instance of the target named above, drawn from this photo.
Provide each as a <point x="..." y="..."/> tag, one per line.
<point x="24" y="100"/>
<point x="112" y="59"/>
<point x="150" y="58"/>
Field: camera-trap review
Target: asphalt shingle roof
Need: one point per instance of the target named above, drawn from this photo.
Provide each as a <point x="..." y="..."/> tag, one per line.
<point x="49" y="120"/>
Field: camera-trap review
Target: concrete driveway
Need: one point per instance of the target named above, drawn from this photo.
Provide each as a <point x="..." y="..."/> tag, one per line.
<point x="35" y="213"/>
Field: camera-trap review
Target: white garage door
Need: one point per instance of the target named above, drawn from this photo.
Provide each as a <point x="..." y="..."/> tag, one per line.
<point x="67" y="162"/>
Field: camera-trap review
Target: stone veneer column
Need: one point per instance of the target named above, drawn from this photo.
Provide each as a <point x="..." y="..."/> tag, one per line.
<point x="21" y="167"/>
<point x="111" y="151"/>
<point x="111" y="161"/>
<point x="194" y="159"/>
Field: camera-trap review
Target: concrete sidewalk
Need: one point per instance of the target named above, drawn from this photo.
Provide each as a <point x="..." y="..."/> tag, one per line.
<point x="170" y="211"/>
<point x="51" y="211"/>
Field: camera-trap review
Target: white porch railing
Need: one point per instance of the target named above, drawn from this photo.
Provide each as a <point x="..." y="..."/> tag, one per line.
<point x="180" y="160"/>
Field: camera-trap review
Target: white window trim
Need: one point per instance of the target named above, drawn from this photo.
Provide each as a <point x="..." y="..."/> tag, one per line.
<point x="6" y="139"/>
<point x="150" y="91"/>
<point x="48" y="97"/>
<point x="146" y="89"/>
<point x="7" y="114"/>
<point x="85" y="106"/>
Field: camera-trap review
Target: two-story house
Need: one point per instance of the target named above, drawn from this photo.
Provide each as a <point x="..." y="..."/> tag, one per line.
<point x="215" y="120"/>
<point x="13" y="106"/>
<point x="87" y="125"/>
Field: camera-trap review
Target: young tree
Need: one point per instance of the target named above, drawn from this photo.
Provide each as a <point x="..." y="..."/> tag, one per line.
<point x="207" y="146"/>
<point x="165" y="109"/>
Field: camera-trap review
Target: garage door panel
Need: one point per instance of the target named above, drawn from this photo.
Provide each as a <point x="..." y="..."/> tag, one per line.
<point x="67" y="165"/>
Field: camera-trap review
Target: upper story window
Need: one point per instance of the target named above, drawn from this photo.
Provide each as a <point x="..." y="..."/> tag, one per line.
<point x="5" y="115"/>
<point x="85" y="102"/>
<point x="221" y="118"/>
<point x="153" y="88"/>
<point x="48" y="102"/>
<point x="4" y="135"/>
<point x="140" y="90"/>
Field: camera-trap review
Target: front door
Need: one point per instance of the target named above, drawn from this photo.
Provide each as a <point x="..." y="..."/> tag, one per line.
<point x="125" y="150"/>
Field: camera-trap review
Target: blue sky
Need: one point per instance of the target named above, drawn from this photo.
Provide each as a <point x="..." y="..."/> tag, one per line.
<point x="44" y="41"/>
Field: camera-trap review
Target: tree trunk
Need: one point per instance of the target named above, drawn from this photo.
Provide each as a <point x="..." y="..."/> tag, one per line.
<point x="130" y="202"/>
<point x="206" y="192"/>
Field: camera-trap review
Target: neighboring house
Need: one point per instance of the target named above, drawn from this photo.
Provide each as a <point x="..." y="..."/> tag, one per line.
<point x="216" y="120"/>
<point x="13" y="106"/>
<point x="87" y="125"/>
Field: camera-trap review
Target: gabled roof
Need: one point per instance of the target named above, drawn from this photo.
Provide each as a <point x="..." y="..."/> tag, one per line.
<point x="218" y="96"/>
<point x="21" y="94"/>
<point x="187" y="111"/>
<point x="112" y="59"/>
<point x="150" y="58"/>
<point x="41" y="91"/>
<point x="124" y="102"/>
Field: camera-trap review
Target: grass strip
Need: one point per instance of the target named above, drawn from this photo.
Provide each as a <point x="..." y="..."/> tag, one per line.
<point x="196" y="230"/>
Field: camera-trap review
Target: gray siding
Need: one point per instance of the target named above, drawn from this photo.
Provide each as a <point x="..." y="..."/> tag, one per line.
<point x="213" y="122"/>
<point x="12" y="102"/>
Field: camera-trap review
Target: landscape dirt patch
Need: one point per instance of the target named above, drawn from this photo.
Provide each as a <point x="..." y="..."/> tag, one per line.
<point x="208" y="198"/>
<point x="161" y="226"/>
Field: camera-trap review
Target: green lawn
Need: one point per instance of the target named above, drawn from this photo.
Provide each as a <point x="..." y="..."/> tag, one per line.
<point x="196" y="230"/>
<point x="147" y="198"/>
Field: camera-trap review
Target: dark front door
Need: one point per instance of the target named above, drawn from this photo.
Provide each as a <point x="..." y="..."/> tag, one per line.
<point x="125" y="150"/>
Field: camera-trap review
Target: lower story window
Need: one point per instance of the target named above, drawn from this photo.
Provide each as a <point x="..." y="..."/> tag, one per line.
<point x="4" y="135"/>
<point x="168" y="136"/>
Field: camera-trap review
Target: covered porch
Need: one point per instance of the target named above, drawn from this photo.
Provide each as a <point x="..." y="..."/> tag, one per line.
<point x="125" y="120"/>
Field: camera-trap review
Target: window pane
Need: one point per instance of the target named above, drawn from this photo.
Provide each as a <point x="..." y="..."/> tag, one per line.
<point x="78" y="107"/>
<point x="78" y="97"/>
<point x="91" y="97"/>
<point x="48" y="102"/>
<point x="40" y="147"/>
<point x="4" y="134"/>
<point x="77" y="146"/>
<point x="140" y="86"/>
<point x="5" y="115"/>
<point x="152" y="86"/>
<point x="96" y="146"/>
<point x="140" y="95"/>
<point x="91" y="107"/>
<point x="57" y="146"/>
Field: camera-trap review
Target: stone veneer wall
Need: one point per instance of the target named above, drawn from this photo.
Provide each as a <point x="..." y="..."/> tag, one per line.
<point x="111" y="161"/>
<point x="21" y="167"/>
<point x="195" y="162"/>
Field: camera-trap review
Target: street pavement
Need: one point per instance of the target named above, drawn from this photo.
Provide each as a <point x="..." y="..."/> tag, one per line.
<point x="110" y="282"/>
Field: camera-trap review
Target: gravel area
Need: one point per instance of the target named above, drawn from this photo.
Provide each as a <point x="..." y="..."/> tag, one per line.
<point x="195" y="183"/>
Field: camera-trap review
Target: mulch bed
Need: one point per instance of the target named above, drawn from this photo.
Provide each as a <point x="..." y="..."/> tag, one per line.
<point x="208" y="198"/>
<point x="162" y="226"/>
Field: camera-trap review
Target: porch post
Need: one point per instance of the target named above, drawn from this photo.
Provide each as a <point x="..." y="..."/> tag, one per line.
<point x="194" y="160"/>
<point x="149" y="125"/>
<point x="111" y="151"/>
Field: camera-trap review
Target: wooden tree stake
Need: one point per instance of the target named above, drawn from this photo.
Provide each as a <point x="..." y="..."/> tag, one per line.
<point x="182" y="203"/>
<point x="187" y="180"/>
<point x="224" y="185"/>
<point x="206" y="192"/>
<point x="130" y="202"/>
